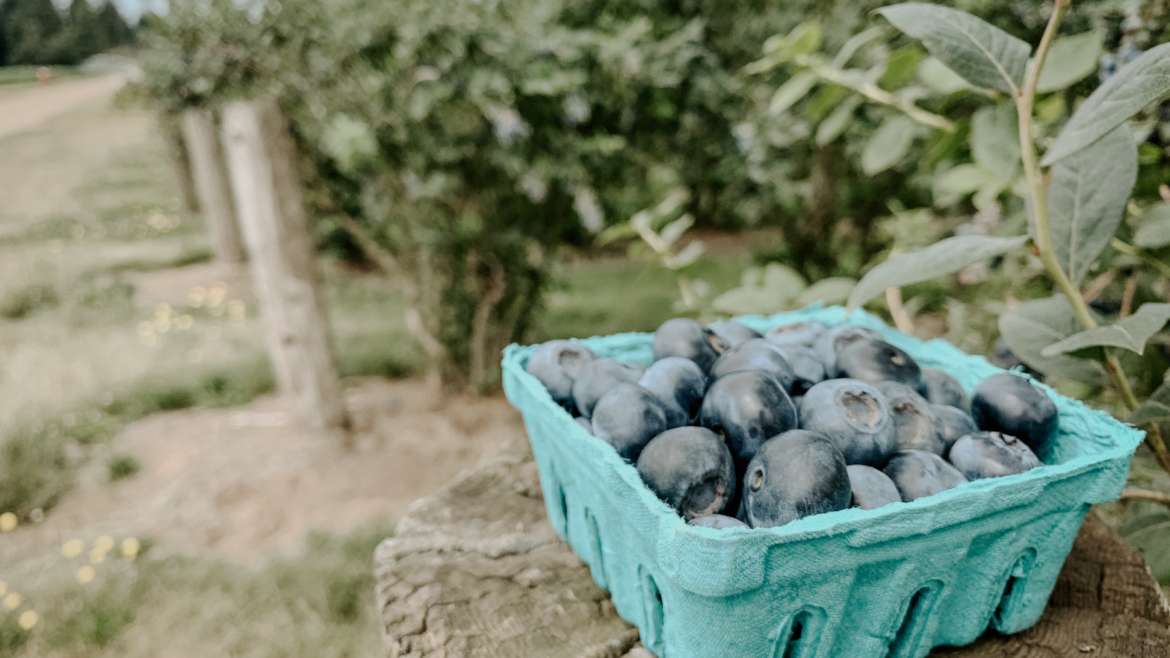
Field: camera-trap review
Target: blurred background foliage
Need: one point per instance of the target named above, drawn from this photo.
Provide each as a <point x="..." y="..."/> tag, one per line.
<point x="36" y="32"/>
<point x="466" y="143"/>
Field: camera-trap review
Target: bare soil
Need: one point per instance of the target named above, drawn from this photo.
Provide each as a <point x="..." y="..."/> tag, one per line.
<point x="32" y="105"/>
<point x="248" y="483"/>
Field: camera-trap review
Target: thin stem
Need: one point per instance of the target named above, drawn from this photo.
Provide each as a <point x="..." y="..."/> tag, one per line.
<point x="837" y="76"/>
<point x="1128" y="295"/>
<point x="1130" y="250"/>
<point x="1134" y="493"/>
<point x="902" y="319"/>
<point x="1025" y="101"/>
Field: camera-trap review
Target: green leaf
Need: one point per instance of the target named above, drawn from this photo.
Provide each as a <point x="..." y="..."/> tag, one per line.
<point x="781" y="49"/>
<point x="957" y="182"/>
<point x="1138" y="84"/>
<point x="1154" y="410"/>
<point x="888" y="145"/>
<point x="1154" y="230"/>
<point x="902" y="67"/>
<point x="1131" y="333"/>
<point x="1087" y="197"/>
<point x="837" y="121"/>
<point x="769" y="289"/>
<point x="856" y="43"/>
<point x="833" y="290"/>
<point x="791" y="92"/>
<point x="1034" y="325"/>
<point x="994" y="141"/>
<point x="1153" y="540"/>
<point x="981" y="53"/>
<point x="1072" y="59"/>
<point x="943" y="257"/>
<point x="939" y="78"/>
<point x="824" y="101"/>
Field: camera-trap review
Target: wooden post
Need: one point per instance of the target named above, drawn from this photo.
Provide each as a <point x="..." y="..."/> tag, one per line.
<point x="262" y="162"/>
<point x="180" y="159"/>
<point x="211" y="182"/>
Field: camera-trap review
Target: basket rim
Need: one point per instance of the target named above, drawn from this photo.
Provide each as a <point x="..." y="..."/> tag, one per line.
<point x="1125" y="438"/>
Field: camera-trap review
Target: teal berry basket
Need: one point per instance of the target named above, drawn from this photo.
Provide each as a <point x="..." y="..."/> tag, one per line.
<point x="893" y="581"/>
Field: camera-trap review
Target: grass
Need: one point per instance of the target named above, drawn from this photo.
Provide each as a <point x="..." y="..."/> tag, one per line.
<point x="611" y="295"/>
<point x="317" y="603"/>
<point x="120" y="467"/>
<point x="13" y="75"/>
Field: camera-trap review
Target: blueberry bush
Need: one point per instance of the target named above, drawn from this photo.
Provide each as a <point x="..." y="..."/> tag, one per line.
<point x="462" y="144"/>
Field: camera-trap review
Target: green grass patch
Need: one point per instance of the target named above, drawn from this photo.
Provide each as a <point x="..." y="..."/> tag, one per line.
<point x="606" y="296"/>
<point x="318" y="603"/>
<point x="190" y="255"/>
<point x="120" y="467"/>
<point x="14" y="75"/>
<point x="22" y="302"/>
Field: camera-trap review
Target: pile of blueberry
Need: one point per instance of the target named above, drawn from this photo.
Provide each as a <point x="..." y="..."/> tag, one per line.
<point x="732" y="428"/>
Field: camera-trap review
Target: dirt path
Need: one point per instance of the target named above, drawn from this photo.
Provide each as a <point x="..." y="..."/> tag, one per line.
<point x="28" y="107"/>
<point x="248" y="483"/>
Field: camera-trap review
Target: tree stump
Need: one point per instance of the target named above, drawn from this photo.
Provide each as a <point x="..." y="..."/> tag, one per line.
<point x="475" y="570"/>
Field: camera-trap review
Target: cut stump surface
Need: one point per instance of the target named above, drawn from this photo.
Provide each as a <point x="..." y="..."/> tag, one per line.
<point x="475" y="570"/>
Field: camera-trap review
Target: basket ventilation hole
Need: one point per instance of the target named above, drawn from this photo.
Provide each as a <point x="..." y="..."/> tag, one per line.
<point x="798" y="642"/>
<point x="909" y="634"/>
<point x="595" y="550"/>
<point x="654" y="613"/>
<point x="1013" y="587"/>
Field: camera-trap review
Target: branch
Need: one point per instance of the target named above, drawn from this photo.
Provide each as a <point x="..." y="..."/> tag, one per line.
<point x="837" y="76"/>
<point x="1134" y="493"/>
<point x="902" y="319"/>
<point x="1025" y="101"/>
<point x="1130" y="250"/>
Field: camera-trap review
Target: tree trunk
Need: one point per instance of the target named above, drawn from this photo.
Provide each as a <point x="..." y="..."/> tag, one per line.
<point x="211" y="182"/>
<point x="269" y="202"/>
<point x="172" y="132"/>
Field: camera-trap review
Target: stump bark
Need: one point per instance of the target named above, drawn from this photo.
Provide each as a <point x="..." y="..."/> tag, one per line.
<point x="475" y="570"/>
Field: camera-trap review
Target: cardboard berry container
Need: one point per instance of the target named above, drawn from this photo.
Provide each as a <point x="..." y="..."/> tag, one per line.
<point x="893" y="581"/>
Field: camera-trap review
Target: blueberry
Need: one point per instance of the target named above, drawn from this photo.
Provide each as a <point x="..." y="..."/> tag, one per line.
<point x="688" y="339"/>
<point x="627" y="417"/>
<point x="918" y="473"/>
<point x="799" y="333"/>
<point x="951" y="423"/>
<point x="940" y="388"/>
<point x="733" y="333"/>
<point x="680" y="384"/>
<point x="874" y="360"/>
<point x="717" y="522"/>
<point x="1011" y="404"/>
<point x="914" y="423"/>
<point x="854" y="415"/>
<point x="584" y="423"/>
<point x="871" y="487"/>
<point x="555" y="364"/>
<point x="596" y="378"/>
<point x="755" y="354"/>
<point x="830" y="343"/>
<point x="690" y="469"/>
<point x="796" y="474"/>
<point x="806" y="367"/>
<point x="747" y="408"/>
<point x="991" y="454"/>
